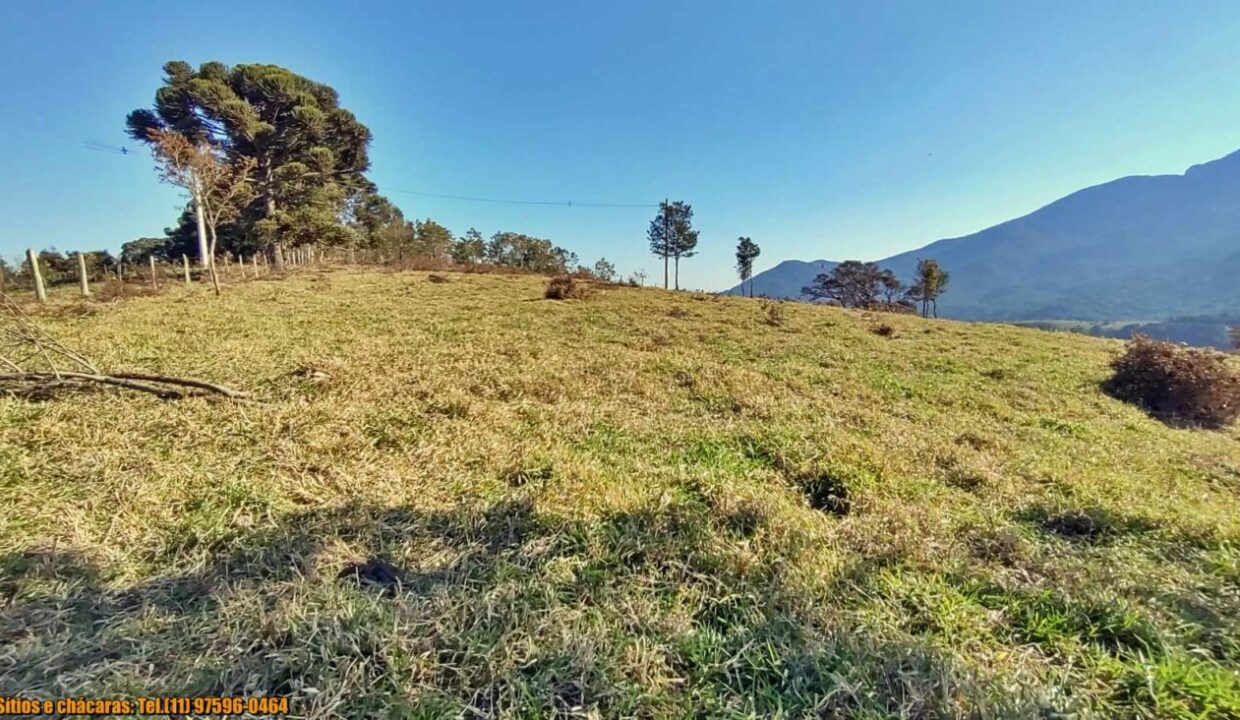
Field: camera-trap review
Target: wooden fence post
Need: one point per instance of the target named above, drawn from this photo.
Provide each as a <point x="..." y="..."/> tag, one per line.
<point x="185" y="268"/>
<point x="83" y="283"/>
<point x="39" y="291"/>
<point x="154" y="282"/>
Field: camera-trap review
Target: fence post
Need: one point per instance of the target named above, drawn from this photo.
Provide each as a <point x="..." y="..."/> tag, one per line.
<point x="39" y="291"/>
<point x="83" y="283"/>
<point x="185" y="268"/>
<point x="154" y="282"/>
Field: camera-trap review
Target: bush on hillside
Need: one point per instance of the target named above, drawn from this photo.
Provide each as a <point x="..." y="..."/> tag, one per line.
<point x="1178" y="384"/>
<point x="772" y="312"/>
<point x="564" y="287"/>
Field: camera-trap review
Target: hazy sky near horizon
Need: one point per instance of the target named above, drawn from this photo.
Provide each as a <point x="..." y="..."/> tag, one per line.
<point x="820" y="129"/>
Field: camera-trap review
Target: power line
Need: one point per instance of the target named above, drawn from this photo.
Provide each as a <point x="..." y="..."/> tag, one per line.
<point x="506" y="201"/>
<point x="121" y="150"/>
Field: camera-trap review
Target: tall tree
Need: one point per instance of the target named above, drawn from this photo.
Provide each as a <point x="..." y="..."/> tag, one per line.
<point x="746" y="251"/>
<point x="672" y="237"/>
<point x="604" y="270"/>
<point x="431" y="241"/>
<point x="221" y="187"/>
<point x="310" y="154"/>
<point x="930" y="283"/>
<point x="377" y="223"/>
<point x="469" y="249"/>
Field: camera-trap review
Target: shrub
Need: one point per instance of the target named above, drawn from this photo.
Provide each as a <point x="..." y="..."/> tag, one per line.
<point x="564" y="287"/>
<point x="1177" y="384"/>
<point x="772" y="312"/>
<point x="885" y="330"/>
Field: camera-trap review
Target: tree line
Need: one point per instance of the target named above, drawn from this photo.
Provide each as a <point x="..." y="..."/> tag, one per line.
<point x="269" y="160"/>
<point x="865" y="285"/>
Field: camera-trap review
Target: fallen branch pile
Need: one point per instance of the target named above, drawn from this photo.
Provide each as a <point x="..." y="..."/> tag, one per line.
<point x="32" y="362"/>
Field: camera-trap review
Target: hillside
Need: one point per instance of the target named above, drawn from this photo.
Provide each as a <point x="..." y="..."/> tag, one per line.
<point x="457" y="499"/>
<point x="1137" y="248"/>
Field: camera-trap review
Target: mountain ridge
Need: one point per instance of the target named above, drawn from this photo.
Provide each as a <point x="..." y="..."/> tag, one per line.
<point x="1137" y="247"/>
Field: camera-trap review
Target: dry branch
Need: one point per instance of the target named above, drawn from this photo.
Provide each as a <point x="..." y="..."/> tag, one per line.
<point x="58" y="366"/>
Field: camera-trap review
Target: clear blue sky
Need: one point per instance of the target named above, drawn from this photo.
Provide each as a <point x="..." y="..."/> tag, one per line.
<point x="821" y="129"/>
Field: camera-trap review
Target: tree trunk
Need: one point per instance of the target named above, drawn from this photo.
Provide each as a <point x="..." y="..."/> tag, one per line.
<point x="677" y="272"/>
<point x="215" y="279"/>
<point x="665" y="259"/>
<point x="202" y="230"/>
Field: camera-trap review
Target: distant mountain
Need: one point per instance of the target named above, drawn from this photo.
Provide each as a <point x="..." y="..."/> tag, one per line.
<point x="786" y="279"/>
<point x="1137" y="248"/>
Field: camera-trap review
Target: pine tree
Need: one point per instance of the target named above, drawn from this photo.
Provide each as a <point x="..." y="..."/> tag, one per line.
<point x="931" y="282"/>
<point x="746" y="251"/>
<point x="672" y="237"/>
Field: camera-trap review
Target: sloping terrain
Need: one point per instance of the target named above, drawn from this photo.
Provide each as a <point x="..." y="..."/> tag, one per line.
<point x="457" y="499"/>
<point x="1136" y="248"/>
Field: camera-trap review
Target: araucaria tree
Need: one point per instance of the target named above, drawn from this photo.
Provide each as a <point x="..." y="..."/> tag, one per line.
<point x="746" y="251"/>
<point x="931" y="282"/>
<point x="220" y="188"/>
<point x="672" y="236"/>
<point x="309" y="154"/>
<point x="855" y="284"/>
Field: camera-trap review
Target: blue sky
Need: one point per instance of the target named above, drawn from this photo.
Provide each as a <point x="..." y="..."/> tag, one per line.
<point x="820" y="129"/>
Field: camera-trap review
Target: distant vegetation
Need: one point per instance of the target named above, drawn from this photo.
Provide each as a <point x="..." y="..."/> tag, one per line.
<point x="1214" y="331"/>
<point x="854" y="284"/>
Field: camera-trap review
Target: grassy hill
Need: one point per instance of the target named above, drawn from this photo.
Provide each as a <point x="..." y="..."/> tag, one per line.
<point x="643" y="504"/>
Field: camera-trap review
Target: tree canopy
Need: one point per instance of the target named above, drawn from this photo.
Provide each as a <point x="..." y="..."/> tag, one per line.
<point x="672" y="237"/>
<point x="856" y="284"/>
<point x="746" y="251"/>
<point x="931" y="282"/>
<point x="309" y="153"/>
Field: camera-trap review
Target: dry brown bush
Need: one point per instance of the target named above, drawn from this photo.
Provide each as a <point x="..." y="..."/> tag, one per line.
<point x="1177" y="384"/>
<point x="564" y="287"/>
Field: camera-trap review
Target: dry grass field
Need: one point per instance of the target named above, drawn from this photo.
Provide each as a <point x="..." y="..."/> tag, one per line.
<point x="459" y="499"/>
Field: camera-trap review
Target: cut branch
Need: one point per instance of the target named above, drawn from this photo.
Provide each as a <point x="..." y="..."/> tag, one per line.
<point x="48" y="381"/>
